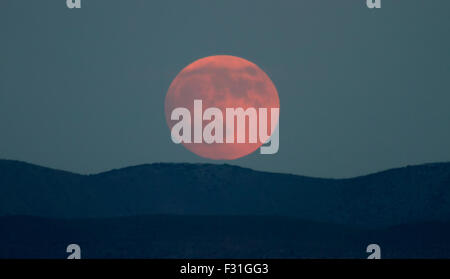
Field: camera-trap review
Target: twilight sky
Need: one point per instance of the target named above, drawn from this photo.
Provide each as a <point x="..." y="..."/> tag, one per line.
<point x="360" y="90"/>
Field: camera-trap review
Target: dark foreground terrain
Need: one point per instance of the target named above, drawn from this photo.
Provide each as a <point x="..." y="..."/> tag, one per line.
<point x="214" y="237"/>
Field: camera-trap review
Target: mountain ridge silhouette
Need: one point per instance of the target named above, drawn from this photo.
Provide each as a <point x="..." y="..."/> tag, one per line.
<point x="412" y="194"/>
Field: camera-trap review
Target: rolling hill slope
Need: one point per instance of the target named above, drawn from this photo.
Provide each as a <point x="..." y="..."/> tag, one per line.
<point x="400" y="196"/>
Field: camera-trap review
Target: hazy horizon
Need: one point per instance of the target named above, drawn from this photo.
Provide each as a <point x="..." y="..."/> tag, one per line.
<point x="225" y="163"/>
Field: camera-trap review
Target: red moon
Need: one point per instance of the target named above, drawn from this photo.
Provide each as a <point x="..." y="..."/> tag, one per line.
<point x="221" y="81"/>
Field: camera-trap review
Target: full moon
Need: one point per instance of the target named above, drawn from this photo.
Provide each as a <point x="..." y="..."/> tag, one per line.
<point x="221" y="81"/>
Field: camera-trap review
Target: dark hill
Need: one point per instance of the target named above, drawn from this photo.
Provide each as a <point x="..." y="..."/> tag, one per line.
<point x="400" y="196"/>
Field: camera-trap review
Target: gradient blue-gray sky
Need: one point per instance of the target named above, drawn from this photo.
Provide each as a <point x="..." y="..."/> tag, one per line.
<point x="360" y="90"/>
